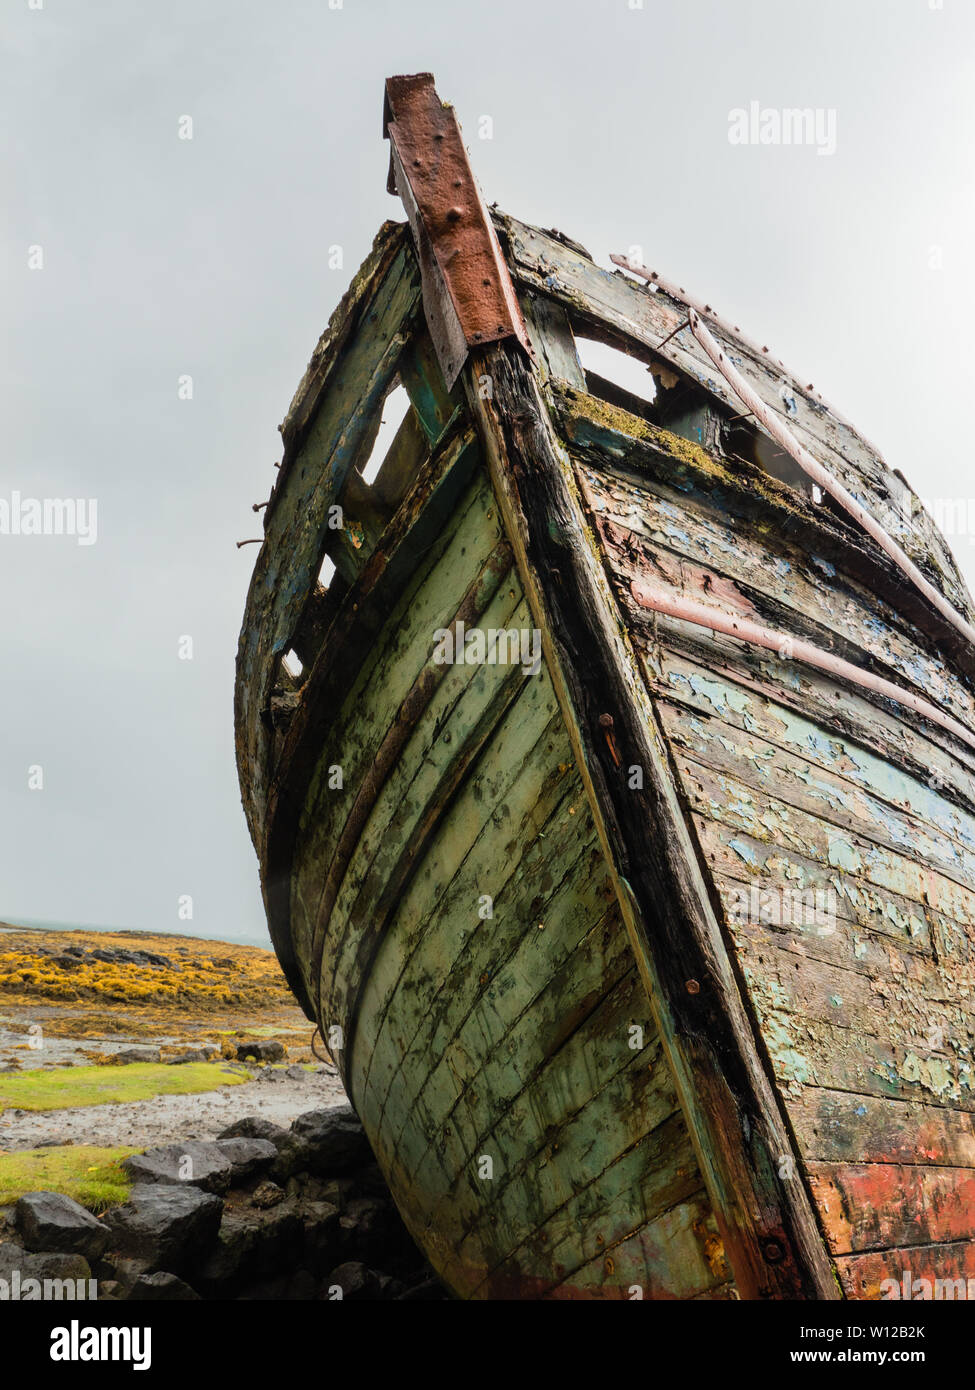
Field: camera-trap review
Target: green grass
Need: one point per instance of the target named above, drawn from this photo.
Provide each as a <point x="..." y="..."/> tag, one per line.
<point x="90" y="1175"/>
<point x="64" y="1086"/>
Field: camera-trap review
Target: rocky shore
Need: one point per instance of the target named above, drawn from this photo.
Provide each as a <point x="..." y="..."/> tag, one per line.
<point x="260" y="1212"/>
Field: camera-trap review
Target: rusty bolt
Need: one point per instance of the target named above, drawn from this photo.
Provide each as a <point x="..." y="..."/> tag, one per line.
<point x="605" y="721"/>
<point x="774" y="1252"/>
<point x="693" y="987"/>
<point x="455" y="214"/>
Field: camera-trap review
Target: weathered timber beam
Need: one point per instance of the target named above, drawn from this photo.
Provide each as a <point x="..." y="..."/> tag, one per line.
<point x="767" y="1223"/>
<point x="468" y="297"/>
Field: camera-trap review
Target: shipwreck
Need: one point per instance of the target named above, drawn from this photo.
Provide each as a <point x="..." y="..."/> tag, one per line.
<point x="647" y="960"/>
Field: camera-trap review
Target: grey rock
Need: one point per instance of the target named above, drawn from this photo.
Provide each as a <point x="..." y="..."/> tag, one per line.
<point x="161" y="1287"/>
<point x="335" y="1140"/>
<point x="248" y="1158"/>
<point x="164" y="1225"/>
<point x="128" y="1055"/>
<point x="290" y="1288"/>
<point x="51" y="1221"/>
<point x="254" y="1127"/>
<point x="356" y="1281"/>
<point x="196" y="1162"/>
<point x="323" y="1236"/>
<point x="252" y="1245"/>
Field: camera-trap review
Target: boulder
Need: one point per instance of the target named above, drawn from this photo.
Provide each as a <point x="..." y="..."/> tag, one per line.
<point x="368" y="1226"/>
<point x="334" y="1139"/>
<point x="52" y="1222"/>
<point x="261" y="1051"/>
<point x="161" y="1287"/>
<point x="323" y="1236"/>
<point x="197" y="1162"/>
<point x="267" y="1195"/>
<point x="254" y="1127"/>
<point x="128" y="1055"/>
<point x="165" y="1226"/>
<point x="251" y="1245"/>
<point x="287" y="1288"/>
<point x="59" y="1267"/>
<point x="294" y="1156"/>
<point x="248" y="1158"/>
<point x="355" y="1281"/>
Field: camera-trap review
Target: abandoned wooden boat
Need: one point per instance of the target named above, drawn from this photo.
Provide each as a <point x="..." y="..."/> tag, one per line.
<point x="609" y="764"/>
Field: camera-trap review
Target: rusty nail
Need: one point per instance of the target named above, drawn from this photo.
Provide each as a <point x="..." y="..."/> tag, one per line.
<point x="454" y="214"/>
<point x="605" y="721"/>
<point x="774" y="1252"/>
<point x="693" y="987"/>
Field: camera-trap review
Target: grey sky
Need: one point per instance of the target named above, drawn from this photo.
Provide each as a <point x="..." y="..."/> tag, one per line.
<point x="208" y="257"/>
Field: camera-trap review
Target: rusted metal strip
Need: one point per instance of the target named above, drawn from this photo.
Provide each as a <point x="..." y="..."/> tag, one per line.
<point x="783" y="436"/>
<point x="665" y="600"/>
<point x="468" y="297"/>
<point x="674" y="291"/>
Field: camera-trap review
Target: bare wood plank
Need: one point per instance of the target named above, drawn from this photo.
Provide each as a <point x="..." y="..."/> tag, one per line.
<point x="834" y="1126"/>
<point x="941" y="1272"/>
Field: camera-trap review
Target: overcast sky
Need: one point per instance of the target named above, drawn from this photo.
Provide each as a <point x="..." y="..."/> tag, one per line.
<point x="166" y="257"/>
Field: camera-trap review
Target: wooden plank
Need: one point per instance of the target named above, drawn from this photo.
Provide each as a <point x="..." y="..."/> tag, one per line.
<point x="552" y="340"/>
<point x="520" y="975"/>
<point x="937" y="1272"/>
<point x="459" y="945"/>
<point x="818" y="791"/>
<point x="423" y="381"/>
<point x="687" y="545"/>
<point x="676" y="1256"/>
<point x="721" y="797"/>
<point x="834" y="1126"/>
<point x="814" y="742"/>
<point x="482" y="751"/>
<point x="880" y="1205"/>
